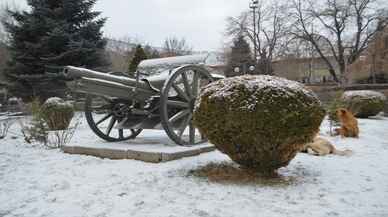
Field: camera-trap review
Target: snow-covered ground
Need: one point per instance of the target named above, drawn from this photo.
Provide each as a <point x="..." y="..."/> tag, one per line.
<point x="38" y="182"/>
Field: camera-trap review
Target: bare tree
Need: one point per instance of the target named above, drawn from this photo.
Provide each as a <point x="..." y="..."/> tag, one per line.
<point x="176" y="47"/>
<point x="120" y="51"/>
<point x="339" y="29"/>
<point x="269" y="34"/>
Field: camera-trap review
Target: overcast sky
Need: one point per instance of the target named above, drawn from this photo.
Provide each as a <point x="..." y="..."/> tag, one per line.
<point x="201" y="22"/>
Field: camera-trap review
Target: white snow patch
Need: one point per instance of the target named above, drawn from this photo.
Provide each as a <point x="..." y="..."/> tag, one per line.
<point x="35" y="182"/>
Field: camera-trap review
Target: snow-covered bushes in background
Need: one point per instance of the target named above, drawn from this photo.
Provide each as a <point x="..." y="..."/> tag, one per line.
<point x="57" y="113"/>
<point x="260" y="122"/>
<point x="364" y="103"/>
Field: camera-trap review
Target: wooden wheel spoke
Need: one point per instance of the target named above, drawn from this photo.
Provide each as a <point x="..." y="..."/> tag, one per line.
<point x="179" y="115"/>
<point x="185" y="81"/>
<point x="195" y="84"/>
<point x="103" y="119"/>
<point x="110" y="126"/>
<point x="180" y="92"/>
<point x="177" y="104"/>
<point x="121" y="133"/>
<point x="184" y="125"/>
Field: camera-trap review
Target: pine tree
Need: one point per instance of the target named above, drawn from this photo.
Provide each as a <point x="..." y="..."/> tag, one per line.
<point x="137" y="58"/>
<point x="240" y="57"/>
<point x="54" y="33"/>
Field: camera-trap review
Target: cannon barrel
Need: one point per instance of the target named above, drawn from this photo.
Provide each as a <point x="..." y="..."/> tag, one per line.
<point x="109" y="89"/>
<point x="98" y="83"/>
<point x="77" y="73"/>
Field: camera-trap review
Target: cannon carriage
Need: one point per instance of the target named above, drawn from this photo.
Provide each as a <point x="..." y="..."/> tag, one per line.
<point x="161" y="96"/>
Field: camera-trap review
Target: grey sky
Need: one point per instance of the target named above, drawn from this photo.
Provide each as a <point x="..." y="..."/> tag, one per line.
<point x="201" y="22"/>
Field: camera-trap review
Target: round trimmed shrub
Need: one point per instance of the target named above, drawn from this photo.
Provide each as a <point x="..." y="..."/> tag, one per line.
<point x="364" y="103"/>
<point x="57" y="113"/>
<point x="260" y="122"/>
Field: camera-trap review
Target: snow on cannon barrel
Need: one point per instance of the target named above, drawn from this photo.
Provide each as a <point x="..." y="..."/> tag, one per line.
<point x="159" y="65"/>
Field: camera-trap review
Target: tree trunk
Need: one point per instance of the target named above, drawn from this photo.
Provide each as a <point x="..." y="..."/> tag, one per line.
<point x="332" y="73"/>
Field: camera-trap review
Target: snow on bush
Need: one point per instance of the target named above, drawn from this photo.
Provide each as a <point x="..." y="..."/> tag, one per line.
<point x="260" y="122"/>
<point x="364" y="103"/>
<point x="57" y="113"/>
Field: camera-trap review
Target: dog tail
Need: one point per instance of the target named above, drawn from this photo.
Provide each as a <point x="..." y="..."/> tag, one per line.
<point x="346" y="152"/>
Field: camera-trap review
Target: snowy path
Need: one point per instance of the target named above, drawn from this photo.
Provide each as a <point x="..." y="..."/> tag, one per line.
<point x="39" y="182"/>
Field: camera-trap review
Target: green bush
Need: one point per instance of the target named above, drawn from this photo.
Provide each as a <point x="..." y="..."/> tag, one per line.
<point x="365" y="103"/>
<point x="260" y="122"/>
<point x="57" y="113"/>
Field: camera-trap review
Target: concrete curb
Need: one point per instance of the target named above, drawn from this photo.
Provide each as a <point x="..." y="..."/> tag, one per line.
<point x="146" y="156"/>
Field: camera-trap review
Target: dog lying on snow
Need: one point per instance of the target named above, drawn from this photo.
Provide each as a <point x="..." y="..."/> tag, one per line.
<point x="349" y="128"/>
<point x="321" y="147"/>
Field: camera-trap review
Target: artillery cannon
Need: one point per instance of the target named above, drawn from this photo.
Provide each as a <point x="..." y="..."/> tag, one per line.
<point x="162" y="96"/>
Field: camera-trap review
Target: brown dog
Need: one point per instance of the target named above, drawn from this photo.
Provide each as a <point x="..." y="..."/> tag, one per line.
<point x="349" y="124"/>
<point x="321" y="147"/>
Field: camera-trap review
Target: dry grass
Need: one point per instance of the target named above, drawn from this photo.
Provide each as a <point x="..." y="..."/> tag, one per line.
<point x="230" y="173"/>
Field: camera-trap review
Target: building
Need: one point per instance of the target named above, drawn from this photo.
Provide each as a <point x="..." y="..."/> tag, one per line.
<point x="372" y="65"/>
<point x="306" y="70"/>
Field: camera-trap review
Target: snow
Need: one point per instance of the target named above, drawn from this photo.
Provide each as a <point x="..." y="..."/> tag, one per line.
<point x="367" y="94"/>
<point x="226" y="88"/>
<point x="159" y="65"/>
<point x="56" y="101"/>
<point x="36" y="182"/>
<point x="173" y="61"/>
<point x="254" y="83"/>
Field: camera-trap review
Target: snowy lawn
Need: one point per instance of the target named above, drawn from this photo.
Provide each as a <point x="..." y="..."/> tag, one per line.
<point x="38" y="182"/>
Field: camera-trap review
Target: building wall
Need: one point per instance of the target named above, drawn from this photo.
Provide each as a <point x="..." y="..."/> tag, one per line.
<point x="374" y="62"/>
<point x="309" y="70"/>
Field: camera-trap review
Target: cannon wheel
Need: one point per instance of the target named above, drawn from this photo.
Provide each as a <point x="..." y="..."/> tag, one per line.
<point x="177" y="103"/>
<point x="103" y="114"/>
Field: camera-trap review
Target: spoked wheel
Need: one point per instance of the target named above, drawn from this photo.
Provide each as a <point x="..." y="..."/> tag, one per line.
<point x="103" y="114"/>
<point x="177" y="104"/>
